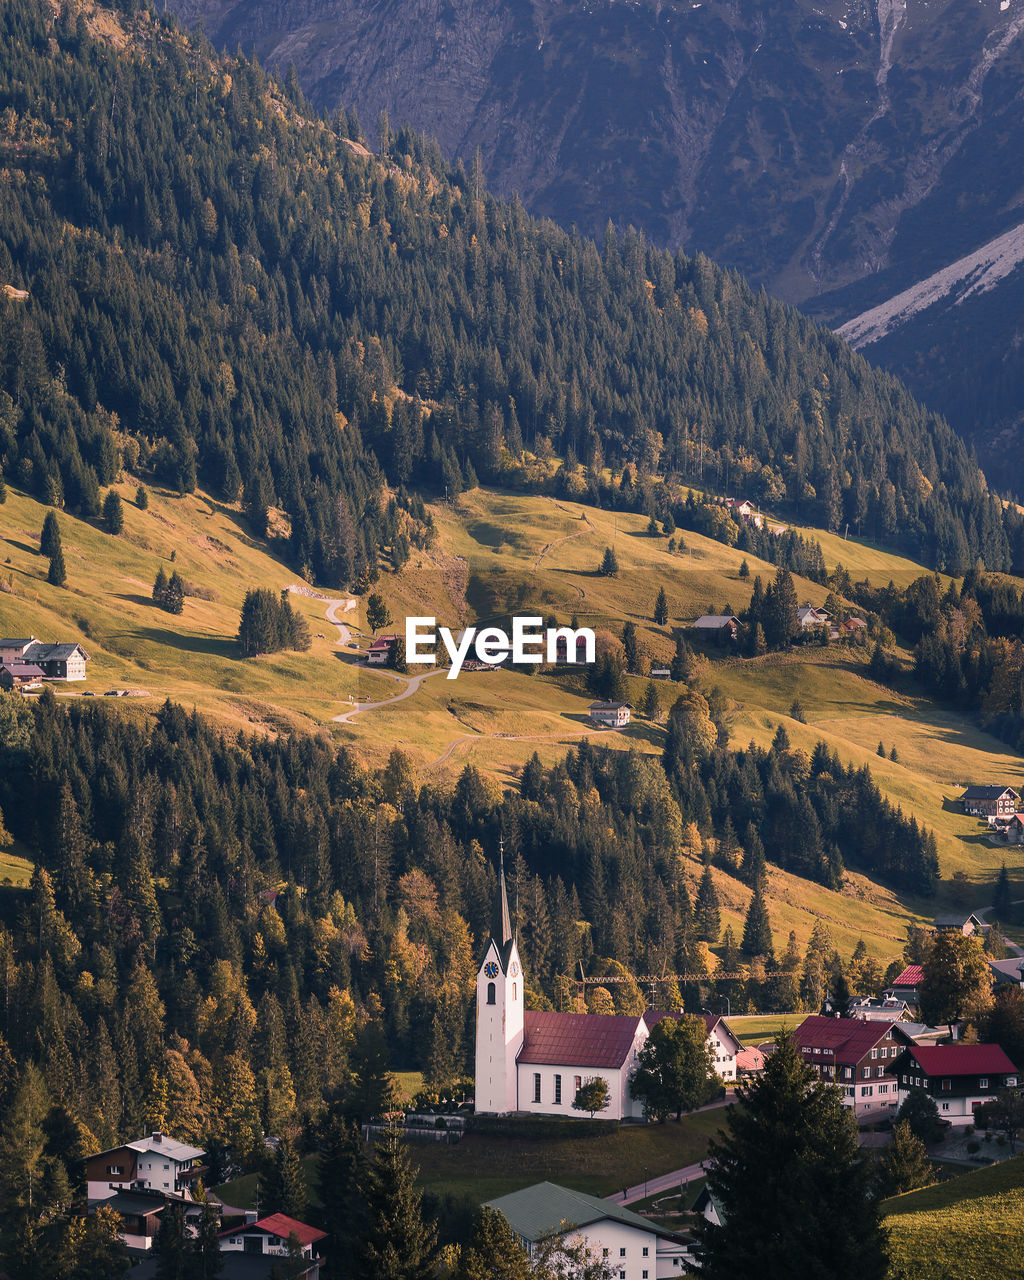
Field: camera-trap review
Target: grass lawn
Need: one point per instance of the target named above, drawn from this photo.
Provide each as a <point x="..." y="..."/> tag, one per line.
<point x="15" y="868"/>
<point x="408" y="1083"/>
<point x="486" y="1167"/>
<point x="754" y="1029"/>
<point x="969" y="1228"/>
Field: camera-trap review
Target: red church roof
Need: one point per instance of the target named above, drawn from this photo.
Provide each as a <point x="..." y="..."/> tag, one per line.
<point x="576" y="1039"/>
<point x="962" y="1060"/>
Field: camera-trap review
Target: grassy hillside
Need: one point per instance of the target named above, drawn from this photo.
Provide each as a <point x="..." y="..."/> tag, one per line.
<point x="968" y="1228"/>
<point x="498" y="552"/>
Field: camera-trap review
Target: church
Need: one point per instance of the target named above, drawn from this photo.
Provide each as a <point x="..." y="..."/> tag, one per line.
<point x="531" y="1060"/>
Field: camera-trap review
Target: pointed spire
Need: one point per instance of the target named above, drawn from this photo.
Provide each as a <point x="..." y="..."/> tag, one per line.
<point x="506" y="923"/>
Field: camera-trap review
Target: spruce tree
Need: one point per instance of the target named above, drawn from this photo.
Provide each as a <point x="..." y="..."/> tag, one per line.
<point x="757" y="927"/>
<point x="649" y="703"/>
<point x="174" y="599"/>
<point x="630" y="647"/>
<point x="793" y="1187"/>
<point x="707" y="914"/>
<point x="209" y="1261"/>
<point x="113" y="512"/>
<point x="609" y="563"/>
<point x="396" y="1242"/>
<point x="57" y="573"/>
<point x="160" y="587"/>
<point x="1002" y="896"/>
<point x="142" y="497"/>
<point x="49" y="538"/>
<point x="340" y="1169"/>
<point x="284" y="1189"/>
<point x="493" y="1252"/>
<point x="904" y="1165"/>
<point x="171" y="1247"/>
<point x="661" y="608"/>
<point x="682" y="660"/>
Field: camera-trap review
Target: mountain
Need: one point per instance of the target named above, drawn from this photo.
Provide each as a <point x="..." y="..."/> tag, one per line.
<point x="837" y="153"/>
<point x="216" y="286"/>
<point x="808" y="145"/>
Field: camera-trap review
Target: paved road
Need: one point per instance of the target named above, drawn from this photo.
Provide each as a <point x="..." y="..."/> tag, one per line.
<point x="412" y="683"/>
<point x="663" y="1182"/>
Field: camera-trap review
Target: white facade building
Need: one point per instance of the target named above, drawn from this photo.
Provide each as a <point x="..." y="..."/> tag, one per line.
<point x="531" y="1060"/>
<point x="630" y="1246"/>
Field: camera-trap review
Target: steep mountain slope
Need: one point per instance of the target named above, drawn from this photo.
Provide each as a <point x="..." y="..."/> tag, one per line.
<point x="809" y="145"/>
<point x="217" y="286"/>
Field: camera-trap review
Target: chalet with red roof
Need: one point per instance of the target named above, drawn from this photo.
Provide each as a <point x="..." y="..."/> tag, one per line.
<point x="534" y="1060"/>
<point x="858" y="1055"/>
<point x="960" y="1077"/>
<point x="269" y="1238"/>
<point x="379" y="652"/>
<point x="905" y="985"/>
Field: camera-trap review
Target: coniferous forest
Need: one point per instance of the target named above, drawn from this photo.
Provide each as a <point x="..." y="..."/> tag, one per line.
<point x="225" y="289"/>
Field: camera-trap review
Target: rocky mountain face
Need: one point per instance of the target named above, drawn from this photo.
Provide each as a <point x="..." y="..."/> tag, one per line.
<point x="836" y="152"/>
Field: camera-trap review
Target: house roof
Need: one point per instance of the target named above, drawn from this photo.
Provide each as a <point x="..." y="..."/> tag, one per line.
<point x="986" y="793"/>
<point x="537" y="1211"/>
<point x="24" y="670"/>
<point x="705" y="1198"/>
<point x="39" y="651"/>
<point x="576" y="1039"/>
<point x="910" y="977"/>
<point x="750" y="1059"/>
<point x="608" y="706"/>
<point x="961" y="1059"/>
<point x="135" y="1202"/>
<point x="279" y="1224"/>
<point x="958" y="922"/>
<point x="849" y="1038"/>
<point x="163" y="1145"/>
<point x="1011" y="970"/>
<point x="715" y="621"/>
<point x="712" y="1022"/>
<point x="18" y="642"/>
<point x="383" y="642"/>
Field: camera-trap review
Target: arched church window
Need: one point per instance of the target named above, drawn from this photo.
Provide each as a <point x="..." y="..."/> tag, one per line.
<point x="490" y="993"/>
<point x="514" y="985"/>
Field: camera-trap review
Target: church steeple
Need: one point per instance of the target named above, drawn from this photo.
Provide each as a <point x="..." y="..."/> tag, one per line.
<point x="506" y="921"/>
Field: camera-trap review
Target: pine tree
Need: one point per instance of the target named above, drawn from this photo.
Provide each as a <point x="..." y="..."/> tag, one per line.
<point x="630" y="647"/>
<point x="174" y="598"/>
<point x="160" y="587"/>
<point x="285" y="1188"/>
<point x="209" y="1261"/>
<point x="707" y="915"/>
<point x="396" y="1241"/>
<point x="757" y="928"/>
<point x="609" y="563"/>
<point x="49" y="538"/>
<point x="1002" y="895"/>
<point x="881" y="750"/>
<point x="340" y="1170"/>
<point x="789" y="1142"/>
<point x="661" y="608"/>
<point x="744" y="570"/>
<point x="142" y="497"/>
<point x="493" y="1252"/>
<point x="904" y="1165"/>
<point x="649" y="703"/>
<point x="682" y="660"/>
<point x="171" y="1246"/>
<point x="113" y="512"/>
<point x="57" y="574"/>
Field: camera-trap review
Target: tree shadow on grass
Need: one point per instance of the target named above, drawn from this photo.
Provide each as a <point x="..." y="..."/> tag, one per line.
<point x="214" y="646"/>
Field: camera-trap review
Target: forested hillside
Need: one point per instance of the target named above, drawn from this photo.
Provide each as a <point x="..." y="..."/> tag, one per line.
<point x="211" y="919"/>
<point x="221" y="286"/>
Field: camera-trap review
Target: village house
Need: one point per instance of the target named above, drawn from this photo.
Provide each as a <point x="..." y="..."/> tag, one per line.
<point x="21" y="675"/>
<point x="809" y="617"/>
<point x="379" y="652"/>
<point x="1008" y="971"/>
<point x="990" y="802"/>
<point x="745" y="511"/>
<point x="536" y="1061"/>
<point x="269" y="1237"/>
<point x="1013" y="830"/>
<point x="904" y="986"/>
<point x="659" y="671"/>
<point x="888" y="1008"/>
<point x="613" y="715"/>
<point x="58" y="661"/>
<point x="857" y="1054"/>
<point x="960" y="1077"/>
<point x="716" y="626"/>
<point x="631" y="1247"/>
<point x="968" y="925"/>
<point x="155" y="1163"/>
